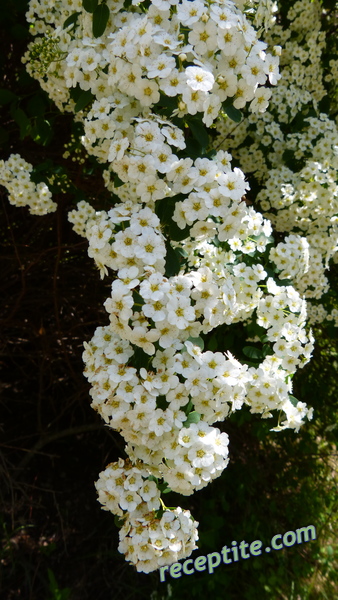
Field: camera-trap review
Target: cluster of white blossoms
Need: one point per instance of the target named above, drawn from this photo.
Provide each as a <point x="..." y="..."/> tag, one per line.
<point x="291" y="257"/>
<point x="22" y="191"/>
<point x="151" y="542"/>
<point x="318" y="314"/>
<point x="295" y="165"/>
<point x="201" y="53"/>
<point x="149" y="538"/>
<point x="189" y="254"/>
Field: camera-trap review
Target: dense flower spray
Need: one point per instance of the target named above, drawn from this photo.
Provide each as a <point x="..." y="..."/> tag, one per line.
<point x="186" y="252"/>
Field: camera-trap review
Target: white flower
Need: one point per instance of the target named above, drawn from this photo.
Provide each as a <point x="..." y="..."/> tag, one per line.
<point x="161" y="421"/>
<point x="261" y="100"/>
<point x="149" y="246"/>
<point x="120" y="304"/>
<point x="271" y="68"/>
<point x="161" y="66"/>
<point x="144" y="338"/>
<point x="194" y="100"/>
<point x="180" y="311"/>
<point x="147" y="92"/>
<point x="152" y="188"/>
<point x="233" y="184"/>
<point x="188" y="12"/>
<point x="199" y="79"/>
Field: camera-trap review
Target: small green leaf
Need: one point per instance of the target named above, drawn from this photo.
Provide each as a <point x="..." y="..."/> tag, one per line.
<point x="252" y="352"/>
<point x="233" y="113"/>
<point x="267" y="350"/>
<point x="197" y="341"/>
<point x="182" y="252"/>
<point x="6" y="96"/>
<point x="188" y="407"/>
<point x="119" y="521"/>
<point x="172" y="262"/>
<point x="36" y="106"/>
<point x="176" y="233"/>
<point x="22" y="120"/>
<point x="164" y="487"/>
<point x="117" y="181"/>
<point x="83" y="100"/>
<point x="199" y="132"/>
<point x="293" y="400"/>
<point x="90" y="5"/>
<point x="100" y="19"/>
<point x="42" y="132"/>
<point x="193" y="417"/>
<point x="72" y="19"/>
<point x="254" y="329"/>
<point x="213" y="343"/>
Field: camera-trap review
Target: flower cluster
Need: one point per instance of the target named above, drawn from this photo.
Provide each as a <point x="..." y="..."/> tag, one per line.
<point x="151" y="542"/>
<point x="200" y="53"/>
<point x="22" y="191"/>
<point x="292" y="151"/>
<point x="190" y="255"/>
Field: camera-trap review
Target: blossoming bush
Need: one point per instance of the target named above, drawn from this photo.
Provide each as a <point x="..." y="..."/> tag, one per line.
<point x="189" y="256"/>
<point x="291" y="149"/>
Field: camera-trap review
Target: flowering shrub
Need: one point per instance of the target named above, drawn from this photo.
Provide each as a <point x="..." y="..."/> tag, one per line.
<point x="151" y="85"/>
<point x="15" y="176"/>
<point x="291" y="149"/>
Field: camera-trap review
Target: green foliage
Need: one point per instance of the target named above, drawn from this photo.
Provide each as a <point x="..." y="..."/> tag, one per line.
<point x="193" y="417"/>
<point x="90" y="5"/>
<point x="57" y="593"/>
<point x="83" y="100"/>
<point x="71" y="20"/>
<point x="233" y="113"/>
<point x="100" y="19"/>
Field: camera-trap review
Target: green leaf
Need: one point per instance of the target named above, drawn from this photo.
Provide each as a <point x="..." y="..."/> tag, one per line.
<point x="72" y="19"/>
<point x="83" y="100"/>
<point x="181" y="252"/>
<point x="176" y="233"/>
<point x="172" y="262"/>
<point x="188" y="407"/>
<point x="90" y="5"/>
<point x="100" y="19"/>
<point x="293" y="400"/>
<point x="165" y="209"/>
<point x="199" y="132"/>
<point x="22" y="120"/>
<point x="233" y="113"/>
<point x="193" y="417"/>
<point x="6" y="96"/>
<point x="119" y="521"/>
<point x="117" y="181"/>
<point x="213" y="343"/>
<point x="252" y="352"/>
<point x="164" y="487"/>
<point x="36" y="105"/>
<point x="267" y="350"/>
<point x="42" y="132"/>
<point x="197" y="341"/>
<point x="254" y="329"/>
